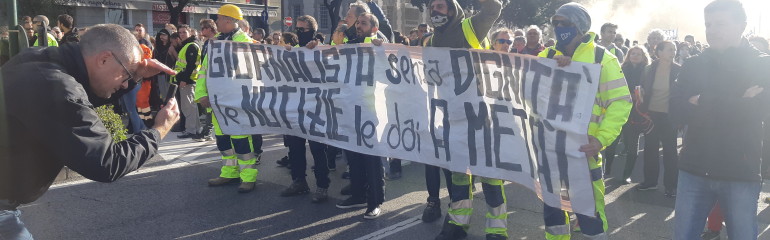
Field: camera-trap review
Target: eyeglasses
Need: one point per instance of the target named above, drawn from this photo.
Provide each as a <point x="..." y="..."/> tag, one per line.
<point x="301" y="29"/>
<point x="504" y="41"/>
<point x="130" y="76"/>
<point x="565" y="23"/>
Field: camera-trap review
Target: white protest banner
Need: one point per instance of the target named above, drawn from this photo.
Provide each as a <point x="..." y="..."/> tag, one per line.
<point x="499" y="115"/>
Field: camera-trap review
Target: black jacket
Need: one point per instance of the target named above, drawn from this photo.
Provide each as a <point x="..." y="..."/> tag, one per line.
<point x="648" y="79"/>
<point x="52" y="124"/>
<point x="724" y="131"/>
<point x="70" y="37"/>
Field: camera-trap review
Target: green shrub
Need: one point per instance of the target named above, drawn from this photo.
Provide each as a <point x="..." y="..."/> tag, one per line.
<point x="113" y="122"/>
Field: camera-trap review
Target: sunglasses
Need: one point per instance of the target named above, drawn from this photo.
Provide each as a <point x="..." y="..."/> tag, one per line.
<point x="130" y="76"/>
<point x="504" y="41"/>
<point x="301" y="29"/>
<point x="565" y="23"/>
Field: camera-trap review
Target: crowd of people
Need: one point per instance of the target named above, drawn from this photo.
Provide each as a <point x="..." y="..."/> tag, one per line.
<point x="710" y="95"/>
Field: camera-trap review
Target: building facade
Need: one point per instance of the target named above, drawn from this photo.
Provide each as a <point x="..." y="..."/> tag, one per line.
<point x="154" y="14"/>
<point x="401" y="14"/>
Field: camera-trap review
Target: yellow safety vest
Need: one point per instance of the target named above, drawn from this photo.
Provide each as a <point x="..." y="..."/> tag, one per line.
<point x="181" y="63"/>
<point x="470" y="36"/>
<point x="51" y="41"/>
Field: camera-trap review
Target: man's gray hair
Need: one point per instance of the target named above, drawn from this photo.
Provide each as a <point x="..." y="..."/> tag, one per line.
<point x="109" y="37"/>
<point x="361" y="8"/>
<point x="657" y="32"/>
<point x="244" y="25"/>
<point x="42" y="18"/>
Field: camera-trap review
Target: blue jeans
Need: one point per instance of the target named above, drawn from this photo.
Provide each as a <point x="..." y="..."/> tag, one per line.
<point x="11" y="227"/>
<point x="696" y="197"/>
<point x="135" y="124"/>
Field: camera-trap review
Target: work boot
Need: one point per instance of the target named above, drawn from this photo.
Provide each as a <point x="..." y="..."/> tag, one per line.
<point x="432" y="212"/>
<point x="320" y="195"/>
<point x="495" y="237"/>
<point x="451" y="232"/>
<point x="284" y="162"/>
<point x="203" y="138"/>
<point x="297" y="187"/>
<point x="246" y="187"/>
<point x="219" y="181"/>
<point x="187" y="135"/>
<point x="351" y="203"/>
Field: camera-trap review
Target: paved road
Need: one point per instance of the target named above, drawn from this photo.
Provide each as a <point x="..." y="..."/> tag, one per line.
<point x="169" y="199"/>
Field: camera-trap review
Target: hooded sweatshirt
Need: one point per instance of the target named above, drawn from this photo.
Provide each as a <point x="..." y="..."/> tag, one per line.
<point x="161" y="51"/>
<point x="451" y="34"/>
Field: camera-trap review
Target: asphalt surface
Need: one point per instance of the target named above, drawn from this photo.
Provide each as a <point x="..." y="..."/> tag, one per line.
<point x="169" y="199"/>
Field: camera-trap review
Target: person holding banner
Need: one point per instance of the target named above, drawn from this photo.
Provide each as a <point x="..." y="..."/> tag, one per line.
<point x="306" y="27"/>
<point x="367" y="179"/>
<point x="355" y="10"/>
<point x="453" y="29"/>
<point x="610" y="111"/>
<point x="239" y="152"/>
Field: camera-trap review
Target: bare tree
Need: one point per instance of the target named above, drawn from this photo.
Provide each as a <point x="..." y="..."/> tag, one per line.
<point x="175" y="11"/>
<point x="333" y="6"/>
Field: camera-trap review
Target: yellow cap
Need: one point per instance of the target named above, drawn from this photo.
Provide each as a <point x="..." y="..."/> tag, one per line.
<point x="231" y="11"/>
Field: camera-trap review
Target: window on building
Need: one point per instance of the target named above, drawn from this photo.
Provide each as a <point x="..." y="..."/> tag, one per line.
<point x="391" y="12"/>
<point x="412" y="16"/>
<point x="297" y="10"/>
<point x="117" y="16"/>
<point x="323" y="21"/>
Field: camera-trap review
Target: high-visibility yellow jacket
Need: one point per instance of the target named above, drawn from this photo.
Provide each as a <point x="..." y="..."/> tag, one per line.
<point x="201" y="90"/>
<point x="613" y="101"/>
<point x="51" y="41"/>
<point x="182" y="62"/>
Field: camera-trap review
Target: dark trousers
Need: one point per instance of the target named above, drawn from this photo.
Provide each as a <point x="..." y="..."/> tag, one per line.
<point x="208" y="125"/>
<point x="433" y="182"/>
<point x="395" y="165"/>
<point x="256" y="144"/>
<point x="662" y="134"/>
<point x="299" y="162"/>
<point x="631" y="141"/>
<point x="331" y="156"/>
<point x="367" y="179"/>
<point x="630" y="137"/>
